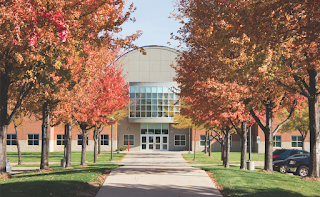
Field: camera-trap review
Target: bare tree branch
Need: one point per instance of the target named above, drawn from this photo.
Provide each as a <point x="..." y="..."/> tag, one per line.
<point x="288" y="118"/>
<point x="257" y="120"/>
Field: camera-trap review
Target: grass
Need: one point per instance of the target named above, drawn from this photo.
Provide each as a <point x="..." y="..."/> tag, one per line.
<point x="79" y="181"/>
<point x="57" y="156"/>
<point x="236" y="182"/>
<point x="216" y="157"/>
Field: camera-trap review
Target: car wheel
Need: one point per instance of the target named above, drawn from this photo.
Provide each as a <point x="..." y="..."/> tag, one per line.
<point x="303" y="171"/>
<point x="282" y="169"/>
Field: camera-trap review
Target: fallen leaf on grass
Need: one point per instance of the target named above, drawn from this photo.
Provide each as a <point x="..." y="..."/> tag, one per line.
<point x="5" y="177"/>
<point x="311" y="178"/>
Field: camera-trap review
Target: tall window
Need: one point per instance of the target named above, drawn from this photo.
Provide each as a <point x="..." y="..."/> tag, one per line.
<point x="203" y="140"/>
<point x="60" y="139"/>
<point x="277" y="141"/>
<point x="296" y="141"/>
<point x="11" y="139"/>
<point x="79" y="140"/>
<point x="33" y="139"/>
<point x="105" y="140"/>
<point x="153" y="101"/>
<point x="128" y="138"/>
<point x="180" y="140"/>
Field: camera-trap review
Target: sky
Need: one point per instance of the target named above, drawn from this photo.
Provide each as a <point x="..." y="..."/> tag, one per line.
<point x="152" y="19"/>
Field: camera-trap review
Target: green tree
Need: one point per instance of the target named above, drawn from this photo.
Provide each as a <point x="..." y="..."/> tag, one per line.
<point x="300" y="122"/>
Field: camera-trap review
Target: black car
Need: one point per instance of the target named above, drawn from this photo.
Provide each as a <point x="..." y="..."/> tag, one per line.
<point x="282" y="154"/>
<point x="299" y="166"/>
<point x="280" y="165"/>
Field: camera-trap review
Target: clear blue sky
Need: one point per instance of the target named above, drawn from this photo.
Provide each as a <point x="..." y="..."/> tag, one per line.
<point x="152" y="19"/>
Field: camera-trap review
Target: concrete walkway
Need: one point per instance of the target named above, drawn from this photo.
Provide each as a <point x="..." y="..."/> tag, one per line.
<point x="157" y="174"/>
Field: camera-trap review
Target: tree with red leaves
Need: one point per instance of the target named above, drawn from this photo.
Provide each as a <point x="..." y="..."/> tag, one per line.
<point x="38" y="39"/>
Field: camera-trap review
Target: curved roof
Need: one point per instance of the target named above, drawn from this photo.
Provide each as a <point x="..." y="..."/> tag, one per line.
<point x="151" y="66"/>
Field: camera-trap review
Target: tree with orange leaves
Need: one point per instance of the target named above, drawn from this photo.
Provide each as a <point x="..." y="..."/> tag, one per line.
<point x="213" y="33"/>
<point x="38" y="38"/>
<point x="274" y="42"/>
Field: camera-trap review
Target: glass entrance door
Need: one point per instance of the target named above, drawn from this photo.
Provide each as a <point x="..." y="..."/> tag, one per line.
<point x="154" y="136"/>
<point x="158" y="143"/>
<point x="154" y="142"/>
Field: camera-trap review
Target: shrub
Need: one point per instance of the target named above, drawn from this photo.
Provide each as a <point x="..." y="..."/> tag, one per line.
<point x="121" y="148"/>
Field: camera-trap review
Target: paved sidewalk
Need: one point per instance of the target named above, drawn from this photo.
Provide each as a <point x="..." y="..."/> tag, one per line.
<point x="157" y="174"/>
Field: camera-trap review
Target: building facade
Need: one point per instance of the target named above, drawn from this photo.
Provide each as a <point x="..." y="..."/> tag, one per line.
<point x="149" y="125"/>
<point x="30" y="135"/>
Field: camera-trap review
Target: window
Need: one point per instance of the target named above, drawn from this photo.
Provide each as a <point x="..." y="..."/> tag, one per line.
<point x="180" y="140"/>
<point x="276" y="141"/>
<point x="203" y="140"/>
<point x="154" y="128"/>
<point x="152" y="102"/>
<point x="33" y="139"/>
<point x="11" y="139"/>
<point x="105" y="140"/>
<point x="296" y="141"/>
<point x="79" y="141"/>
<point x="128" y="138"/>
<point x="60" y="139"/>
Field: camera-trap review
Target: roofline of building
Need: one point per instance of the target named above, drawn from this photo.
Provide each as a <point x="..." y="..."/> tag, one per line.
<point x="177" y="51"/>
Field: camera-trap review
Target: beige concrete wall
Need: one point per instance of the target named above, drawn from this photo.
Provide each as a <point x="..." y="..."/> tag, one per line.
<point x="126" y="128"/>
<point x="153" y="66"/>
<point x="172" y="133"/>
<point x="24" y="147"/>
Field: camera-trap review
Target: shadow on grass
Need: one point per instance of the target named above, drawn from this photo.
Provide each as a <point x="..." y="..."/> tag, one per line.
<point x="101" y="168"/>
<point x="47" y="188"/>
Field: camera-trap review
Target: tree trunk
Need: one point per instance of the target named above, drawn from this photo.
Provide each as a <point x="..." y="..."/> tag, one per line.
<point x="313" y="102"/>
<point x="3" y="147"/>
<point x="18" y="144"/>
<point x="4" y="85"/>
<point x="222" y="150"/>
<point x="227" y="158"/>
<point x="205" y="143"/>
<point x="45" y="136"/>
<point x="209" y="144"/>
<point x="95" y="138"/>
<point x="99" y="144"/>
<point x="269" y="140"/>
<point x="68" y="140"/>
<point x="243" y="163"/>
<point x="84" y="147"/>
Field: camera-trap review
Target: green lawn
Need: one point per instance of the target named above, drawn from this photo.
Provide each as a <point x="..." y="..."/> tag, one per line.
<point x="57" y="156"/>
<point x="216" y="157"/>
<point x="79" y="181"/>
<point x="236" y="182"/>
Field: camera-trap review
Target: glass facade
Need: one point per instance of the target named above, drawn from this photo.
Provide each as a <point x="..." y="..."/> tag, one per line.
<point x="153" y="102"/>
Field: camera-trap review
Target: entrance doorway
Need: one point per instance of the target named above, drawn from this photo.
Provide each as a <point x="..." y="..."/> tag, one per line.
<point x="154" y="136"/>
<point x="154" y="142"/>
